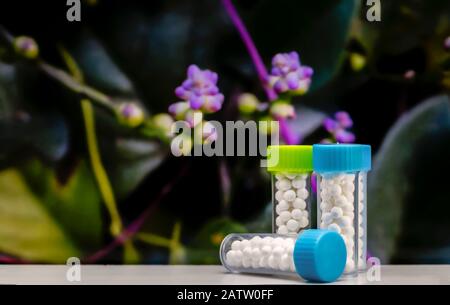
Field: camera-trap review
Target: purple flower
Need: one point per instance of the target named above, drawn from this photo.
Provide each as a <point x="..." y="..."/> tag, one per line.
<point x="288" y="74"/>
<point x="200" y="90"/>
<point x="338" y="126"/>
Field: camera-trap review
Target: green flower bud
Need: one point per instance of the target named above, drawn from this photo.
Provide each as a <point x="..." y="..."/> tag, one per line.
<point x="130" y="114"/>
<point x="357" y="61"/>
<point x="26" y="47"/>
<point x="164" y="122"/>
<point x="282" y="109"/>
<point x="247" y="103"/>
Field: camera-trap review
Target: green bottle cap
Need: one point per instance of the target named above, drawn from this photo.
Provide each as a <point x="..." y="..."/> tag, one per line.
<point x="289" y="158"/>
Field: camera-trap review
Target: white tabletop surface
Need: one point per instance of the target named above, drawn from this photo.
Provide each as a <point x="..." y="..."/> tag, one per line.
<point x="203" y="275"/>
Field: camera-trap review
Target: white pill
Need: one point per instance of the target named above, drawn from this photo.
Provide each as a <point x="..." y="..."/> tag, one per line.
<point x="292" y="225"/>
<point x="334" y="227"/>
<point x="350" y="266"/>
<point x="278" y="241"/>
<point x="349" y="243"/>
<point x="344" y="221"/>
<point x="360" y="232"/>
<point x="247" y="252"/>
<point x="350" y="197"/>
<point x="350" y="177"/>
<point x="327" y="218"/>
<point x="283" y="205"/>
<point x="244" y="244"/>
<point x="279" y="176"/>
<point x="238" y="256"/>
<point x="285" y="215"/>
<point x="236" y="245"/>
<point x="325" y="206"/>
<point x="279" y="221"/>
<point x="348" y="187"/>
<point x="348" y="209"/>
<point x="263" y="262"/>
<point x="279" y="195"/>
<point x="302" y="193"/>
<point x="325" y="195"/>
<point x="336" y="212"/>
<point x="285" y="262"/>
<point x="348" y="231"/>
<point x="304" y="222"/>
<point x="291" y="176"/>
<point x="278" y="251"/>
<point x="283" y="184"/>
<point x="361" y="264"/>
<point x="231" y="256"/>
<point x="296" y="214"/>
<point x="266" y="249"/>
<point x="256" y="241"/>
<point x="246" y="262"/>
<point x="256" y="253"/>
<point x="255" y="263"/>
<point x="267" y="240"/>
<point x="341" y="201"/>
<point x="282" y="230"/>
<point x="335" y="190"/>
<point x="299" y="183"/>
<point x="273" y="262"/>
<point x="289" y="195"/>
<point x="306" y="214"/>
<point x="278" y="209"/>
<point x="299" y="203"/>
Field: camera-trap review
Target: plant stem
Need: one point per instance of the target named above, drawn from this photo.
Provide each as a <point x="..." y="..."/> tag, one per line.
<point x="287" y="135"/>
<point x="251" y="48"/>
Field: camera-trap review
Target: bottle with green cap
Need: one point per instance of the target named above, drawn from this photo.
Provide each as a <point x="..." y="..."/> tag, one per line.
<point x="341" y="171"/>
<point x="291" y="167"/>
<point x="315" y="255"/>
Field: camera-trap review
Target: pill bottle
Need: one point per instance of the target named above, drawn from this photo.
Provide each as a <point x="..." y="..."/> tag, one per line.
<point x="290" y="167"/>
<point x="315" y="255"/>
<point x="341" y="171"/>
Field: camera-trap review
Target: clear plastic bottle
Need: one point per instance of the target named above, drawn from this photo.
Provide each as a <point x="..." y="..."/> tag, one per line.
<point x="315" y="255"/>
<point x="291" y="168"/>
<point x="342" y="196"/>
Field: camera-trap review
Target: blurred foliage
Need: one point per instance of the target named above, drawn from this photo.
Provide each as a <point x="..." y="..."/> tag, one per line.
<point x="137" y="51"/>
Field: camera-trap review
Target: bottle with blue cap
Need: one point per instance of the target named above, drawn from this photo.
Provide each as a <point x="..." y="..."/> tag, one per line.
<point x="315" y="255"/>
<point x="341" y="171"/>
<point x="291" y="168"/>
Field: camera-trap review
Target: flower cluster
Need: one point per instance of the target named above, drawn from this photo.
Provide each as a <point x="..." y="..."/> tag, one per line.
<point x="338" y="127"/>
<point x="288" y="75"/>
<point x="199" y="91"/>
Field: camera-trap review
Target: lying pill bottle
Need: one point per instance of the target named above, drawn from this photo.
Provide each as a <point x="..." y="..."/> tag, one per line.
<point x="290" y="167"/>
<point x="341" y="171"/>
<point x="315" y="255"/>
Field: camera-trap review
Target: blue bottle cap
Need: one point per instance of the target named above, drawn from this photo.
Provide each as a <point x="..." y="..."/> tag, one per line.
<point x="320" y="255"/>
<point x="332" y="158"/>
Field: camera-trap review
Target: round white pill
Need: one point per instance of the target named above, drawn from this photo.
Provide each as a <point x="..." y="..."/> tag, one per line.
<point x="296" y="214"/>
<point x="279" y="195"/>
<point x="304" y="222"/>
<point x="292" y="225"/>
<point x="255" y="241"/>
<point x="327" y="218"/>
<point x="263" y="262"/>
<point x="334" y="227"/>
<point x="279" y="176"/>
<point x="244" y="244"/>
<point x="341" y="201"/>
<point x="299" y="183"/>
<point x="246" y="262"/>
<point x="348" y="231"/>
<point x="279" y="221"/>
<point x="302" y="193"/>
<point x="344" y="221"/>
<point x="282" y="230"/>
<point x="285" y="215"/>
<point x="230" y="256"/>
<point x="348" y="187"/>
<point x="305" y="214"/>
<point x="350" y="266"/>
<point x="238" y="256"/>
<point x="266" y="249"/>
<point x="283" y="184"/>
<point x="291" y="176"/>
<point x="283" y="205"/>
<point x="285" y="262"/>
<point x="256" y="253"/>
<point x="335" y="190"/>
<point x="236" y="245"/>
<point x="336" y="212"/>
<point x="247" y="252"/>
<point x="273" y="262"/>
<point x="350" y="197"/>
<point x="278" y="251"/>
<point x="289" y="195"/>
<point x="299" y="203"/>
<point x="255" y="263"/>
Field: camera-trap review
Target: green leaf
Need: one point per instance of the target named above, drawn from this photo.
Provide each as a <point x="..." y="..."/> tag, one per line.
<point x="404" y="188"/>
<point x="73" y="200"/>
<point x="27" y="228"/>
